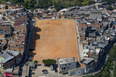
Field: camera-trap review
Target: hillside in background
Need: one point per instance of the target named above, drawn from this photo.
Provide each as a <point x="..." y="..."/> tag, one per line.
<point x="31" y="4"/>
<point x="110" y="66"/>
<point x="59" y="4"/>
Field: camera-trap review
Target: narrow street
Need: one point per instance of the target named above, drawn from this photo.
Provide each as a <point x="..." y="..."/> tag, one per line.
<point x="31" y="25"/>
<point x="23" y="63"/>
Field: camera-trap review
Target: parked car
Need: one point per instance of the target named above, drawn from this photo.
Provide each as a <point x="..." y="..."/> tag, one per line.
<point x="51" y="67"/>
<point x="32" y="73"/>
<point x="45" y="71"/>
<point x="31" y="49"/>
<point x="32" y="69"/>
<point x="30" y="58"/>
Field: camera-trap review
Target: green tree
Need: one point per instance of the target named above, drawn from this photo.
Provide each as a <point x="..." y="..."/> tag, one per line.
<point x="114" y="71"/>
<point x="113" y="53"/>
<point x="49" y="62"/>
<point x="87" y="2"/>
<point x="35" y="61"/>
<point x="6" y="7"/>
<point x="94" y="7"/>
<point x="109" y="7"/>
<point x="59" y="4"/>
<point x="88" y="76"/>
<point x="0" y="1"/>
<point x="109" y="64"/>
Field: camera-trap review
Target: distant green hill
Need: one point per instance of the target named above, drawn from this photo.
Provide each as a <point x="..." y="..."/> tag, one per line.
<point x="31" y="4"/>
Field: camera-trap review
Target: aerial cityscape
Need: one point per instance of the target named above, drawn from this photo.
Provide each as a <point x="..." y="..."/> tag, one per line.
<point x="57" y="38"/>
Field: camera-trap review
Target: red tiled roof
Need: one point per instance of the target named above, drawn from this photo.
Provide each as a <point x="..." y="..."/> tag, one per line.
<point x="18" y="24"/>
